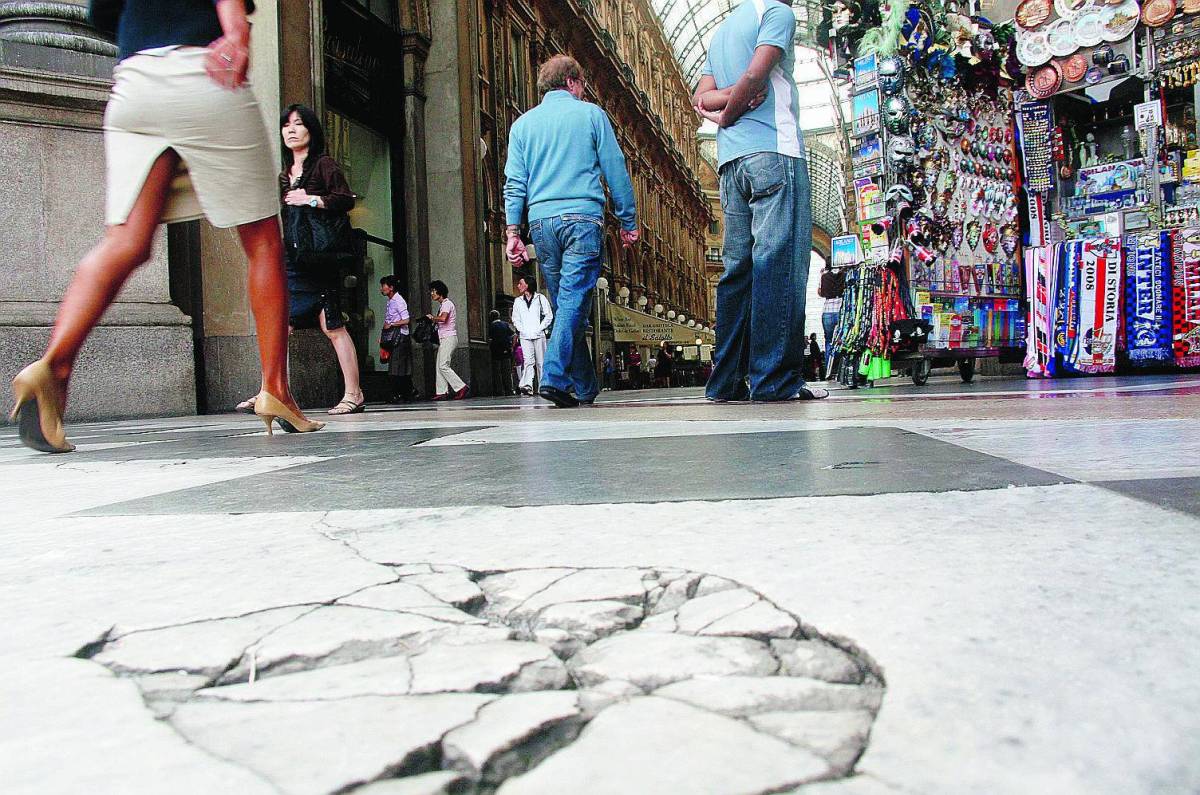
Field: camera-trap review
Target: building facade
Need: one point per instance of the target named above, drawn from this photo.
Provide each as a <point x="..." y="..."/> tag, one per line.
<point x="417" y="98"/>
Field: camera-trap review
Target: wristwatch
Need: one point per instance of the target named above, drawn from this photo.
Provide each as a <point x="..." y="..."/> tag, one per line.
<point x="312" y="202"/>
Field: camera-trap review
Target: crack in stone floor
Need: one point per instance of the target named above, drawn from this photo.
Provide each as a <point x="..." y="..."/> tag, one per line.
<point x="585" y="680"/>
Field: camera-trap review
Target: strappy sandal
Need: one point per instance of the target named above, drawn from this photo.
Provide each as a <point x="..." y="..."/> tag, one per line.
<point x="348" y="407"/>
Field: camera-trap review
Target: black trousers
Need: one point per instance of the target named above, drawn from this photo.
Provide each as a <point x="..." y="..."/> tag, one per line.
<point x="502" y="375"/>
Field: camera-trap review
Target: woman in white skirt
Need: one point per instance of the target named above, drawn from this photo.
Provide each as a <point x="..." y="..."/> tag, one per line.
<point x="183" y="139"/>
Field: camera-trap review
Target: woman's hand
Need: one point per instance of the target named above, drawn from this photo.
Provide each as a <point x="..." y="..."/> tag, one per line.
<point x="228" y="61"/>
<point x="300" y="197"/>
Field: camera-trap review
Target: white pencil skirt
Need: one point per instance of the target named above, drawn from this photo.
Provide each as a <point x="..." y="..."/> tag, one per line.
<point x="226" y="171"/>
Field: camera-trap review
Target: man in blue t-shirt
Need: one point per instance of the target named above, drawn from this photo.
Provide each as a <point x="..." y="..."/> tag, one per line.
<point x="748" y="90"/>
<point x="561" y="154"/>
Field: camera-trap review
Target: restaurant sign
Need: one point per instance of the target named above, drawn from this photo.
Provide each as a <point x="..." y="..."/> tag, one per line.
<point x="643" y="329"/>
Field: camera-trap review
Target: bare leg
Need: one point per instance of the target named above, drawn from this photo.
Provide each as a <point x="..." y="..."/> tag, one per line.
<point x="263" y="243"/>
<point x="343" y="346"/>
<point x="102" y="273"/>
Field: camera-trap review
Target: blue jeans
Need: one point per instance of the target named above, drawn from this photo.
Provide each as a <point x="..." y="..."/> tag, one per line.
<point x="760" y="298"/>
<point x="828" y="323"/>
<point x="569" y="252"/>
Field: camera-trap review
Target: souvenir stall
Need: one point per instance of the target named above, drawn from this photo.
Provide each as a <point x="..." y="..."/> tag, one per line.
<point x="1107" y="140"/>
<point x="937" y="187"/>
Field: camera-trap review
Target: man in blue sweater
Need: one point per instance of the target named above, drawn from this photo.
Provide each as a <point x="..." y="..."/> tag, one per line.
<point x="558" y="153"/>
<point x="748" y="89"/>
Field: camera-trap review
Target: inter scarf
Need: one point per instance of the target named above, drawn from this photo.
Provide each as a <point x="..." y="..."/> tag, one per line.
<point x="1066" y="302"/>
<point x="1041" y="274"/>
<point x="1185" y="270"/>
<point x="1148" y="298"/>
<point x="1100" y="277"/>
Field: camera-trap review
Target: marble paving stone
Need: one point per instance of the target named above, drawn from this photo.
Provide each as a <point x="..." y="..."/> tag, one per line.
<point x="508" y="590"/>
<point x="452" y="587"/>
<point x="441" y="782"/>
<point x="760" y="619"/>
<point x="837" y="737"/>
<point x="818" y="660"/>
<point x="851" y="460"/>
<point x="374" y="736"/>
<point x="378" y="676"/>
<point x="651" y="659"/>
<point x="741" y="696"/>
<point x="702" y="611"/>
<point x="1179" y="494"/>
<point x="655" y="745"/>
<point x="340" y="633"/>
<point x="206" y="648"/>
<point x="587" y="621"/>
<point x="489" y="667"/>
<point x="399" y="596"/>
<point x="620" y="585"/>
<point x="497" y="744"/>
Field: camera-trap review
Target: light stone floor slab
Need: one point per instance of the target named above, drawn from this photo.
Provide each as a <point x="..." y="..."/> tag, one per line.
<point x="1034" y="639"/>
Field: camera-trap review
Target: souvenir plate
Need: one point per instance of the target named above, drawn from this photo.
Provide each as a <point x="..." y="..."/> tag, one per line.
<point x="1075" y="68"/>
<point x="1032" y="13"/>
<point x="1045" y="81"/>
<point x="1089" y="27"/>
<point x="1191" y="6"/>
<point x="1156" y="13"/>
<point x="1067" y="9"/>
<point x="1120" y="21"/>
<point x="1061" y="38"/>
<point x="1033" y="49"/>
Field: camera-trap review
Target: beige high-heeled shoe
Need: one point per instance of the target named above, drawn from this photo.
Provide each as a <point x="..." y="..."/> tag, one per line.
<point x="39" y="410"/>
<point x="270" y="408"/>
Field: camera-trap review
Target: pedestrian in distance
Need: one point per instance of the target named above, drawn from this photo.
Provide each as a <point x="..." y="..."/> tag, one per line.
<point x="183" y="139"/>
<point x="560" y="156"/>
<point x="609" y="381"/>
<point x="831" y="288"/>
<point x="749" y="92"/>
<point x="664" y="365"/>
<point x="397" y="328"/>
<point x="449" y="385"/>
<point x="813" y="361"/>
<point x="500" y="345"/>
<point x="312" y="184"/>
<point x="532" y="316"/>
<point x="635" y="368"/>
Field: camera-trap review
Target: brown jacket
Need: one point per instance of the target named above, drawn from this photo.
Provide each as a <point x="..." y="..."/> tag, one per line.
<point x="324" y="178"/>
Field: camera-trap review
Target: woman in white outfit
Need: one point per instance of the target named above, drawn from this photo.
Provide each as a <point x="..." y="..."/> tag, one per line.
<point x="449" y="385"/>
<point x="532" y="317"/>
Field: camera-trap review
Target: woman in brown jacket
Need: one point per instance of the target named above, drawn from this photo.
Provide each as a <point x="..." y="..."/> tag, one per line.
<point x="311" y="178"/>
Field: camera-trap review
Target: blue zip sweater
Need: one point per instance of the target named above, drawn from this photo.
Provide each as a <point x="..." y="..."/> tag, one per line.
<point x="557" y="153"/>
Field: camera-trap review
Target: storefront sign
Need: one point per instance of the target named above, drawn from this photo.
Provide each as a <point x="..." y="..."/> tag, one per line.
<point x="1147" y="115"/>
<point x="642" y="329"/>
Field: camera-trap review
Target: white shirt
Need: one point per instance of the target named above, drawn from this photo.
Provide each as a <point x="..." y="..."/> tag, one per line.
<point x="532" y="318"/>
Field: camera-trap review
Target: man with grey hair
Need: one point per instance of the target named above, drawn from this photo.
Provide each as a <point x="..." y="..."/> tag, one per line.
<point x="558" y="153"/>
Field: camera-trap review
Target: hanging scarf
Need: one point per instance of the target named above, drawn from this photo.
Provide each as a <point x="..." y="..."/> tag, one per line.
<point x="1066" y="309"/>
<point x="1185" y="269"/>
<point x="1099" y="286"/>
<point x="1148" y="298"/>
<point x="1041" y="276"/>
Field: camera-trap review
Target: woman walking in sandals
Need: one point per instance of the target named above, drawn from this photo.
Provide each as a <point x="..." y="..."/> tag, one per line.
<point x="183" y="139"/>
<point x="312" y="183"/>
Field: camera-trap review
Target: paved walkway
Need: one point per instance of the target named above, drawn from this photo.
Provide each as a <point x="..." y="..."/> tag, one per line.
<point x="956" y="588"/>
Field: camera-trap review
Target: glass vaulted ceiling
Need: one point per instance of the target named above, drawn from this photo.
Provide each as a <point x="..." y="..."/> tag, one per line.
<point x="690" y="24"/>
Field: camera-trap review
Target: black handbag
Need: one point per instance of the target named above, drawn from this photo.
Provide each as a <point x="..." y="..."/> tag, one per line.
<point x="390" y="338"/>
<point x="318" y="240"/>
<point x="425" y="332"/>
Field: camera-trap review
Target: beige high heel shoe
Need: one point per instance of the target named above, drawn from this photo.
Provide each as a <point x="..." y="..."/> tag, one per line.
<point x="39" y="410"/>
<point x="269" y="408"/>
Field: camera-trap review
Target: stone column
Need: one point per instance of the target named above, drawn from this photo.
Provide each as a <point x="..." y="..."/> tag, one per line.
<point x="415" y="190"/>
<point x="55" y="76"/>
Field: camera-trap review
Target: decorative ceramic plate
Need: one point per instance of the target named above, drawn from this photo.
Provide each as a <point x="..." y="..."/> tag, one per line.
<point x="1089" y="27"/>
<point x="1033" y="50"/>
<point x="1045" y="81"/>
<point x="1120" y="21"/>
<point x="1075" y="68"/>
<point x="1032" y="13"/>
<point x="1067" y="9"/>
<point x="1156" y="13"/>
<point x="1061" y="38"/>
<point x="1191" y="6"/>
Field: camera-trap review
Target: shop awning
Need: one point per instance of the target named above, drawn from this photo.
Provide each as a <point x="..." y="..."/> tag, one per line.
<point x="629" y="325"/>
